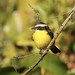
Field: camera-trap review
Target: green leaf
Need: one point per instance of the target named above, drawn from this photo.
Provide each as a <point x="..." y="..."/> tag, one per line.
<point x="7" y="71"/>
<point x="53" y="64"/>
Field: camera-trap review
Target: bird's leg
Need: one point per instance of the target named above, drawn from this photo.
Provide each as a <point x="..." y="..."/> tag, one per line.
<point x="41" y="51"/>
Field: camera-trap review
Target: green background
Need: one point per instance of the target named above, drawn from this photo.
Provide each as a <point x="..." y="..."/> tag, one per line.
<point x="16" y="20"/>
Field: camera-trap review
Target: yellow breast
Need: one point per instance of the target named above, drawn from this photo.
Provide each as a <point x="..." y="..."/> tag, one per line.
<point x="41" y="39"/>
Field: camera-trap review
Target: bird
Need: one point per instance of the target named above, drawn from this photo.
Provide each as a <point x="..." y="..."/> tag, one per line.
<point x="42" y="36"/>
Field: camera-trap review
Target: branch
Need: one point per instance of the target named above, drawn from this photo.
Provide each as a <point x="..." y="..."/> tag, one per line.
<point x="51" y="43"/>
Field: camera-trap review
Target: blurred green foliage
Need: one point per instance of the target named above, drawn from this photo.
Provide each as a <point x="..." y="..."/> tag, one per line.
<point x="16" y="20"/>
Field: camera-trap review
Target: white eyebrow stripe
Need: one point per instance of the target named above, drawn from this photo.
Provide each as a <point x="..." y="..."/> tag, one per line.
<point x="41" y="25"/>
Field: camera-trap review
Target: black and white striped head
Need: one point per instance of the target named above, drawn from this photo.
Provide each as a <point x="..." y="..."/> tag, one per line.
<point x="41" y="27"/>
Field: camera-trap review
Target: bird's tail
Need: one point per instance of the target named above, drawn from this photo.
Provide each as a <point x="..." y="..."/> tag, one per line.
<point x="55" y="50"/>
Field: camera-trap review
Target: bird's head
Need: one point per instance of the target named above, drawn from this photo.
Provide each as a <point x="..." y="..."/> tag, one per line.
<point x="40" y="27"/>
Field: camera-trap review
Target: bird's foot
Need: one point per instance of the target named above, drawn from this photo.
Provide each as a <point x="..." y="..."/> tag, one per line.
<point x="41" y="52"/>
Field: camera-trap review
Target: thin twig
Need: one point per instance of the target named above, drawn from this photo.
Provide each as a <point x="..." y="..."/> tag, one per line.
<point x="24" y="56"/>
<point x="51" y="43"/>
<point x="36" y="12"/>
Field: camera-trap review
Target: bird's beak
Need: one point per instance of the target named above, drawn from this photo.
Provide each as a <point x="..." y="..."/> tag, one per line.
<point x="33" y="28"/>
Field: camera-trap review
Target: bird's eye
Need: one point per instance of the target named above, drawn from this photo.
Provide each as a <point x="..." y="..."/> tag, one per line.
<point x="46" y="27"/>
<point x="39" y="28"/>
